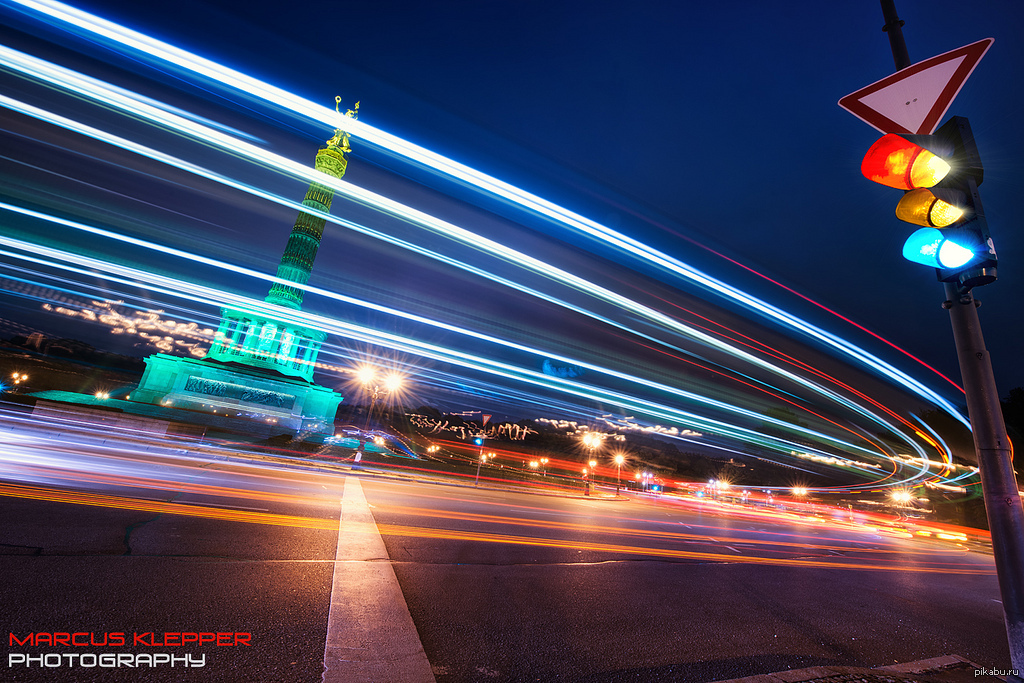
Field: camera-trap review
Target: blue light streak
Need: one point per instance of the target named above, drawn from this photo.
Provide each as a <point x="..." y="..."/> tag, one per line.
<point x="230" y="140"/>
<point x="155" y="51"/>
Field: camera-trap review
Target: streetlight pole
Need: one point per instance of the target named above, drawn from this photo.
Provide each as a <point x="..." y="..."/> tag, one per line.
<point x="592" y="442"/>
<point x="368" y="377"/>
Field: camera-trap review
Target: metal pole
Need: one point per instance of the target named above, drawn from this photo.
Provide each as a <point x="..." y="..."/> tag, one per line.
<point x="992" y="446"/>
<point x="894" y="28"/>
<point x="998" y="483"/>
<point x="479" y="461"/>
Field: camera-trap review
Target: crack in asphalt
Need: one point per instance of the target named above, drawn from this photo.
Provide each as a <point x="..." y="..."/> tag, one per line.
<point x="36" y="550"/>
<point x="130" y="529"/>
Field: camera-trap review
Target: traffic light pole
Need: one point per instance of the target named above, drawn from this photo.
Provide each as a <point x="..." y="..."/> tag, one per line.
<point x="992" y="445"/>
<point x="998" y="483"/>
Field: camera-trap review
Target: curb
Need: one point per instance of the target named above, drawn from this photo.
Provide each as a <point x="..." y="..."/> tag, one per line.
<point x="946" y="669"/>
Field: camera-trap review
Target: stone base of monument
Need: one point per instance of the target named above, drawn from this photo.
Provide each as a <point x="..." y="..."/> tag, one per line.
<point x="293" y="405"/>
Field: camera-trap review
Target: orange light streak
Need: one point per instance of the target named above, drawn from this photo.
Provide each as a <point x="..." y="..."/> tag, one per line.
<point x="187" y="509"/>
<point x="418" y="532"/>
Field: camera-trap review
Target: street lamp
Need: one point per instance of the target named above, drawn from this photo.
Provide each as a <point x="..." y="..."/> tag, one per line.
<point x="18" y="378"/>
<point x="480" y="461"/>
<point x="592" y="441"/>
<point x="902" y="498"/>
<point x="378" y="386"/>
<point x="619" y="460"/>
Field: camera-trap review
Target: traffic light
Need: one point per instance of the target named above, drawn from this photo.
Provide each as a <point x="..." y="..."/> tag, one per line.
<point x="940" y="175"/>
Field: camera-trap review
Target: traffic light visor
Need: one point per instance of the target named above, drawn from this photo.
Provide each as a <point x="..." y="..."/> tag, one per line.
<point x="896" y="162"/>
<point x="930" y="247"/>
<point x="922" y="207"/>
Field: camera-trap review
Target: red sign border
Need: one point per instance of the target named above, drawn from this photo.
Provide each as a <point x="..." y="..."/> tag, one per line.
<point x="973" y="53"/>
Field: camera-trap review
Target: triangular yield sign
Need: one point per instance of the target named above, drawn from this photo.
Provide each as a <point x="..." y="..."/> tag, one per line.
<point x="914" y="100"/>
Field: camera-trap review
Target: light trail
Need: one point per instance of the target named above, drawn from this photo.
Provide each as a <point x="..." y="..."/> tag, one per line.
<point x="173" y="120"/>
<point x="802" y="544"/>
<point x="214" y="297"/>
<point x="671" y="553"/>
<point x="120" y="502"/>
<point x="141" y="505"/>
<point x="153" y="51"/>
<point x="249" y="517"/>
<point x="74" y="82"/>
<point x="212" y="294"/>
<point x="173" y="287"/>
<point x="98" y="459"/>
<point x="50" y="117"/>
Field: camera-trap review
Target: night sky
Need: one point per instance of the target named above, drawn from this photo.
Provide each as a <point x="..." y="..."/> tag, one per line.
<point x="709" y="131"/>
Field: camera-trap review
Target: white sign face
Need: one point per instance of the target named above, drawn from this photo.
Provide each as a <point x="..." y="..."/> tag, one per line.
<point x="914" y="100"/>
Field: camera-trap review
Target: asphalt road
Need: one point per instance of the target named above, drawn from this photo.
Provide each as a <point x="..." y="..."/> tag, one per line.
<point x="131" y="536"/>
<point x="488" y="610"/>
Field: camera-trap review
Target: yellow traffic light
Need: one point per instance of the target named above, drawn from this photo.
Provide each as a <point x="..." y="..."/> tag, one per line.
<point x="924" y="207"/>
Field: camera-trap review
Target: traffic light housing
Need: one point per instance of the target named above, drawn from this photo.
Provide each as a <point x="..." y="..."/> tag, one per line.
<point x="940" y="175"/>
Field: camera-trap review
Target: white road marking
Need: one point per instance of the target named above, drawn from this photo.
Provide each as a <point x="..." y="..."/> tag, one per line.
<point x="370" y="634"/>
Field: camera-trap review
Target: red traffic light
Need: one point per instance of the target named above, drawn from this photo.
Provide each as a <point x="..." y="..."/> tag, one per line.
<point x="897" y="162"/>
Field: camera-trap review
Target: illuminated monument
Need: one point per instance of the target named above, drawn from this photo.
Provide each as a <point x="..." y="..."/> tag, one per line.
<point x="260" y="367"/>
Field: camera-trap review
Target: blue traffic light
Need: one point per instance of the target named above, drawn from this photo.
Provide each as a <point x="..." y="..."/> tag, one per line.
<point x="932" y="247"/>
<point x="478" y="441"/>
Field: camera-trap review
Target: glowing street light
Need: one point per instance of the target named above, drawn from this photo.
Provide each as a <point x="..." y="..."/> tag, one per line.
<point x="592" y="441"/>
<point x="619" y="460"/>
<point x="479" y="461"/>
<point x="18" y="378"/>
<point x="901" y="496"/>
<point x="378" y="386"/>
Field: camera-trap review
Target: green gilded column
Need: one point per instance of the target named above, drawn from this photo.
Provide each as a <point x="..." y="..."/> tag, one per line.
<point x="304" y="241"/>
